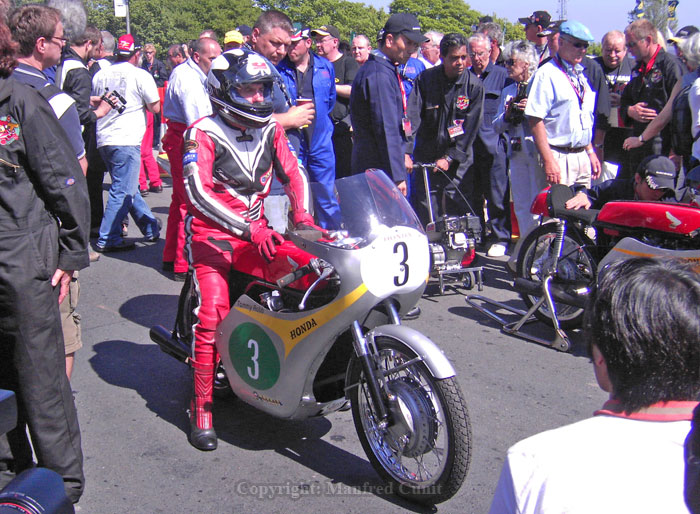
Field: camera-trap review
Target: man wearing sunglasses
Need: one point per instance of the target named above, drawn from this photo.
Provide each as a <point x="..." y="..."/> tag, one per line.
<point x="653" y="77"/>
<point x="560" y="110"/>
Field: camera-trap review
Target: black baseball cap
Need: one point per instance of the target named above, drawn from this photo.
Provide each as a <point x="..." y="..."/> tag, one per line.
<point x="541" y="18"/>
<point x="659" y="172"/>
<point x="406" y="24"/>
<point x="552" y="28"/>
<point x="326" y="30"/>
<point x="245" y="30"/>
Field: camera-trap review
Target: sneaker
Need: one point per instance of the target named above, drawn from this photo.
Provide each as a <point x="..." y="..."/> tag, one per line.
<point x="497" y="250"/>
<point x="144" y="192"/>
<point x="118" y="247"/>
<point x="156" y="189"/>
<point x="94" y="256"/>
<point x="180" y="277"/>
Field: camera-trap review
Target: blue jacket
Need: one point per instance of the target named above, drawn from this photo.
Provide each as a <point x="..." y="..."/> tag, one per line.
<point x="494" y="78"/>
<point x="323" y="83"/>
<point x="376" y="110"/>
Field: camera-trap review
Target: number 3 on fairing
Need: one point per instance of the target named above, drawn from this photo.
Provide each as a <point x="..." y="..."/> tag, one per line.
<point x="403" y="264"/>
<point x="254" y="372"/>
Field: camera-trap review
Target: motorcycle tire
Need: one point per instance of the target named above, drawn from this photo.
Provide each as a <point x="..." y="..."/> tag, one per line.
<point x="576" y="267"/>
<point x="425" y="451"/>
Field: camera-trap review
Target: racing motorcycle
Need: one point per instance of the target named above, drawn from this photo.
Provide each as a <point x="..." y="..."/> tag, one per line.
<point x="559" y="262"/>
<point x="320" y="326"/>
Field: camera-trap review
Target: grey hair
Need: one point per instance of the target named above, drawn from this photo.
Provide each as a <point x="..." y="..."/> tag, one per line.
<point x="612" y="34"/>
<point x="73" y="16"/>
<point x="690" y="47"/>
<point x="107" y="41"/>
<point x="492" y="30"/>
<point x="483" y="38"/>
<point x="525" y="51"/>
<point x="434" y="36"/>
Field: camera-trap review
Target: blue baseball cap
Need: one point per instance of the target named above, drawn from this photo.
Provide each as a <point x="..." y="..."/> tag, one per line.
<point x="576" y="29"/>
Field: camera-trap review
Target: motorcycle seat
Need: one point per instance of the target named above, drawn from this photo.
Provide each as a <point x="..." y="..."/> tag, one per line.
<point x="559" y="194"/>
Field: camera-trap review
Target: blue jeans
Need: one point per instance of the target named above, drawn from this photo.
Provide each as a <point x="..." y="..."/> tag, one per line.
<point x="123" y="164"/>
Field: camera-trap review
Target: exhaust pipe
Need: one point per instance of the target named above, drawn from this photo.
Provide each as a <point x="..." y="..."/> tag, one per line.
<point x="173" y="347"/>
<point x="531" y="287"/>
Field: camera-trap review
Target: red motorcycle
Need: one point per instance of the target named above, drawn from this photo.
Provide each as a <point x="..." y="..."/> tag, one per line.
<point x="559" y="262"/>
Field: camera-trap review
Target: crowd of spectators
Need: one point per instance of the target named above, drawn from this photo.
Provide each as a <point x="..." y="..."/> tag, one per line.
<point x="498" y="121"/>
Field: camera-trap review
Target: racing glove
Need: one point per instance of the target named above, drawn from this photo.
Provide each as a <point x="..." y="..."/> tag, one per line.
<point x="304" y="221"/>
<point x="265" y="239"/>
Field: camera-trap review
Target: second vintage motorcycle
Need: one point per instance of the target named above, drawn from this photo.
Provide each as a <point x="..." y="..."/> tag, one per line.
<point x="321" y="326"/>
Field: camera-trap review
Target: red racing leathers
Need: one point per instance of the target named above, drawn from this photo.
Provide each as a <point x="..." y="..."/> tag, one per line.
<point x="227" y="173"/>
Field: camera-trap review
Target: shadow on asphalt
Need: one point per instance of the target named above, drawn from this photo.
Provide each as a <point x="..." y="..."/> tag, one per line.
<point x="165" y="385"/>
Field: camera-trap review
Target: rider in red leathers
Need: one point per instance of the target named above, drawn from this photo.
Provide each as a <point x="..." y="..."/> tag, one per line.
<point x="228" y="163"/>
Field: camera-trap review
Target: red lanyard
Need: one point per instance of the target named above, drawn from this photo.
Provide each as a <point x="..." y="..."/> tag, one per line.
<point x="403" y="93"/>
<point x="646" y="69"/>
<point x="580" y="91"/>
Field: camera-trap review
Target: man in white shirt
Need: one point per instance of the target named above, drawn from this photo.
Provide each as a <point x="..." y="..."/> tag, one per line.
<point x="643" y="332"/>
<point x="119" y="136"/>
<point x="186" y="101"/>
<point x="430" y="50"/>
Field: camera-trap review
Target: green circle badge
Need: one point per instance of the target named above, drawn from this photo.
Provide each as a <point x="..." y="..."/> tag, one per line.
<point x="254" y="356"/>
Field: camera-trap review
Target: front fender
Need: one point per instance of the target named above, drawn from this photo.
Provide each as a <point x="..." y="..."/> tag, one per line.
<point x="432" y="355"/>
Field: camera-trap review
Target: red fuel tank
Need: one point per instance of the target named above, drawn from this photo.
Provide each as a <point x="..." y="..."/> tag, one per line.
<point x="679" y="219"/>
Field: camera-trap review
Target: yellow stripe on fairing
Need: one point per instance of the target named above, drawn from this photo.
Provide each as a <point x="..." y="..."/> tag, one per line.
<point x="283" y="327"/>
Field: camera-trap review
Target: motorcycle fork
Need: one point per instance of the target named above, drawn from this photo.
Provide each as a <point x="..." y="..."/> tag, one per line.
<point x="362" y="351"/>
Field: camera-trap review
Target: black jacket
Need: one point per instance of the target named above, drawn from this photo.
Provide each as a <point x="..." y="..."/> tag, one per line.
<point x="654" y="88"/>
<point x="77" y="82"/>
<point x="41" y="181"/>
<point x="437" y="103"/>
<point x="157" y="71"/>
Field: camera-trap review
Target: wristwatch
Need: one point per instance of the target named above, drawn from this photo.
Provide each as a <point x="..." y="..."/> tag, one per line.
<point x="641" y="138"/>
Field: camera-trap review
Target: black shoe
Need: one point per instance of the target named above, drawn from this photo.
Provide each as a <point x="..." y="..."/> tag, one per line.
<point x="119" y="247"/>
<point x="203" y="439"/>
<point x="95" y="232"/>
<point x="180" y="277"/>
<point x="156" y="189"/>
<point x="144" y="192"/>
<point x="155" y="237"/>
<point x="168" y="266"/>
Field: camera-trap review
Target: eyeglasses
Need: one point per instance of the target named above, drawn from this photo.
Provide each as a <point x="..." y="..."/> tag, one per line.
<point x="480" y="54"/>
<point x="62" y="40"/>
<point x="577" y="44"/>
<point x="510" y="62"/>
<point x="324" y="40"/>
<point x="632" y="45"/>
<point x="150" y="53"/>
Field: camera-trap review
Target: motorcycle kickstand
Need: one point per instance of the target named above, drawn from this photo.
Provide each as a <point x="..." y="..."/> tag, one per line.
<point x="362" y="351"/>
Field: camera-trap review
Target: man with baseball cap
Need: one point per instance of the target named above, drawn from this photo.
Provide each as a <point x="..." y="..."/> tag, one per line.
<point x="378" y="104"/>
<point x="308" y="75"/>
<point x="119" y="136"/>
<point x="233" y="39"/>
<point x="534" y="25"/>
<point x="560" y="110"/>
<point x="327" y="40"/>
<point x="654" y="181"/>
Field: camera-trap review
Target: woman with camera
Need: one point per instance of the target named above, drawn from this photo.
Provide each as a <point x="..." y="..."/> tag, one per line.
<point x="527" y="177"/>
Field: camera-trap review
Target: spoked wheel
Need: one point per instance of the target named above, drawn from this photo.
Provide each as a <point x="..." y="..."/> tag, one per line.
<point x="425" y="450"/>
<point x="576" y="270"/>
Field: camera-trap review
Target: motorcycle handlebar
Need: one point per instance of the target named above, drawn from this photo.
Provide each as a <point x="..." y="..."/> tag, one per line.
<point x="294" y="276"/>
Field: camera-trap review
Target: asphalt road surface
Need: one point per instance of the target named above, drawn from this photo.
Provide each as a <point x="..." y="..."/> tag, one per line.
<point x="132" y="402"/>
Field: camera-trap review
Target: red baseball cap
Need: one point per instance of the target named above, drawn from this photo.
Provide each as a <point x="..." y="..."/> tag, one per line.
<point x="127" y="45"/>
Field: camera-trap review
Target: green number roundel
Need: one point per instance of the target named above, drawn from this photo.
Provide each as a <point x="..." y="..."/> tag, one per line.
<point x="254" y="356"/>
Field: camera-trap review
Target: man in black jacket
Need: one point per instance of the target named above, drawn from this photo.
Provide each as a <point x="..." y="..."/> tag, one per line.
<point x="41" y="183"/>
<point x="445" y="113"/>
<point x="653" y="77"/>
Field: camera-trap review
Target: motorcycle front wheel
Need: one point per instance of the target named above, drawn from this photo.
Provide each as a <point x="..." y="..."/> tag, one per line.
<point x="424" y="452"/>
<point x="576" y="270"/>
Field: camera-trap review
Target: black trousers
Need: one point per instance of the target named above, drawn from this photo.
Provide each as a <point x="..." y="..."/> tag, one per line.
<point x="32" y="356"/>
<point x="342" y="146"/>
<point x="95" y="176"/>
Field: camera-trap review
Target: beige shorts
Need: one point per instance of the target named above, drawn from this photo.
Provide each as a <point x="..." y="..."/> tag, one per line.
<point x="70" y="319"/>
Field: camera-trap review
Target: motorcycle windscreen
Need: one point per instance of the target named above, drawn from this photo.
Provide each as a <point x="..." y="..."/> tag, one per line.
<point x="369" y="201"/>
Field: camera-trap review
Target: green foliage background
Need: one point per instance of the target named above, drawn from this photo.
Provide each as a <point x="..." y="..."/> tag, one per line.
<point x="164" y="22"/>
